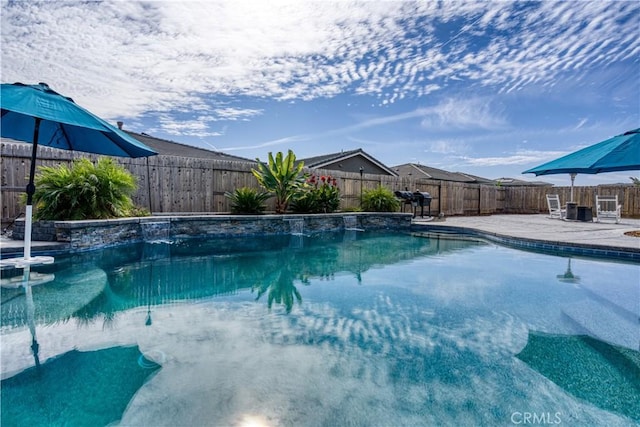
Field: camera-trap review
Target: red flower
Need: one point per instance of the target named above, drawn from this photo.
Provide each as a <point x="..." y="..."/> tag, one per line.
<point x="323" y="178"/>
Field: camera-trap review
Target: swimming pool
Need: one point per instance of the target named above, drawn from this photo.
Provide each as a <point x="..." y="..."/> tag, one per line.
<point x="354" y="328"/>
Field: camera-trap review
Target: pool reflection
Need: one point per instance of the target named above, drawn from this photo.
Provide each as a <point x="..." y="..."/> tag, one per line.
<point x="271" y="267"/>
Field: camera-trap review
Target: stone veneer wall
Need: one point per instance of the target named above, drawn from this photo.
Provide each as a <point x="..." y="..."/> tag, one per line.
<point x="95" y="234"/>
<point x="42" y="231"/>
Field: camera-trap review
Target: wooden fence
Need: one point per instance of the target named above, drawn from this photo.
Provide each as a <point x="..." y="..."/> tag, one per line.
<point x="169" y="184"/>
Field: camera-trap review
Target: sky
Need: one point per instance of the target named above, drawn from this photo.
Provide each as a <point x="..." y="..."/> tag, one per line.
<point x="485" y="88"/>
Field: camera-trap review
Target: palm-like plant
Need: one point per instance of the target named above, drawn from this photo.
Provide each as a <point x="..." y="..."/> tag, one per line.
<point x="83" y="191"/>
<point x="280" y="177"/>
<point x="247" y="200"/>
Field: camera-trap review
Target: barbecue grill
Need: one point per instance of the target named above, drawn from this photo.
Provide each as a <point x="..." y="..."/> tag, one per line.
<point x="415" y="199"/>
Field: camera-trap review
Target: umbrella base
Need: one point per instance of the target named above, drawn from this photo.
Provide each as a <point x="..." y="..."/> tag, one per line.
<point x="23" y="262"/>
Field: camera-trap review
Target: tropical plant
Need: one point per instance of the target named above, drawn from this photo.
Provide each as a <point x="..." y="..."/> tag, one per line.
<point x="280" y="177"/>
<point x="318" y="195"/>
<point x="380" y="199"/>
<point x="247" y="200"/>
<point x="83" y="191"/>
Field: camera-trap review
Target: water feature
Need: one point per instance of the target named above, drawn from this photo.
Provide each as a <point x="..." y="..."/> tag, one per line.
<point x="351" y="223"/>
<point x="156" y="230"/>
<point x="296" y="226"/>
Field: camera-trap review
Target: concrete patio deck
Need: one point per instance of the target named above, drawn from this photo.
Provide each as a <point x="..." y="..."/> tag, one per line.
<point x="541" y="228"/>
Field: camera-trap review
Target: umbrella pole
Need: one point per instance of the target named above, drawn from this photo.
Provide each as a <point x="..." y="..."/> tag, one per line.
<point x="31" y="189"/>
<point x="573" y="178"/>
<point x="35" y="347"/>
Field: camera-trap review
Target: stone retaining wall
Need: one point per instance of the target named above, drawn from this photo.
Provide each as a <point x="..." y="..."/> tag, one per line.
<point x="41" y="231"/>
<point x="95" y="234"/>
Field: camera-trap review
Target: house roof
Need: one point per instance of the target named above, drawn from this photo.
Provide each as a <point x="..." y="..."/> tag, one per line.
<point x="478" y="179"/>
<point x="422" y="171"/>
<point x="327" y="160"/>
<point x="519" y="182"/>
<point x="172" y="148"/>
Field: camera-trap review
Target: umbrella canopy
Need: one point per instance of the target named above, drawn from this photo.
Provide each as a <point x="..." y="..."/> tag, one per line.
<point x="605" y="375"/>
<point x="620" y="153"/>
<point x="39" y="115"/>
<point x="62" y="123"/>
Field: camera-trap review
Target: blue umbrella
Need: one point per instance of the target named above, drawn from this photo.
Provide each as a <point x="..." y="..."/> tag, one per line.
<point x="41" y="116"/>
<point x="620" y="153"/>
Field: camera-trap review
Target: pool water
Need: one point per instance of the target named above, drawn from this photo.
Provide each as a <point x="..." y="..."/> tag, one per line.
<point x="354" y="328"/>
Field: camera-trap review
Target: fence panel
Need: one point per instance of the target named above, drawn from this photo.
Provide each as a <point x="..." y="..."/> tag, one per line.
<point x="471" y="199"/>
<point x="170" y="184"/>
<point x="452" y="198"/>
<point x="488" y="199"/>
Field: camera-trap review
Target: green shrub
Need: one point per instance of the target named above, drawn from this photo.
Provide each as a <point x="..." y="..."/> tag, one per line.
<point x="319" y="195"/>
<point x="304" y="202"/>
<point x="83" y="191"/>
<point x="247" y="200"/>
<point x="380" y="199"/>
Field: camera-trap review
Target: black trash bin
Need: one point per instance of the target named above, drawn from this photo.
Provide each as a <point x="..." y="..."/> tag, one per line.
<point x="572" y="211"/>
<point x="585" y="213"/>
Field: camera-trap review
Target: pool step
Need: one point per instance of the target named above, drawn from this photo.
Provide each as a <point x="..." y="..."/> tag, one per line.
<point x="600" y="321"/>
<point x="623" y="296"/>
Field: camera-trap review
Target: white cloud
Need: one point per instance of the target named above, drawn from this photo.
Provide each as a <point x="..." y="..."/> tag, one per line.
<point x="230" y="113"/>
<point x="365" y="123"/>
<point x="447" y="147"/>
<point x="276" y="142"/>
<point x="451" y="114"/>
<point x="521" y="157"/>
<point x="583" y="121"/>
<point x="197" y="127"/>
<point x="468" y="113"/>
<point x="126" y="58"/>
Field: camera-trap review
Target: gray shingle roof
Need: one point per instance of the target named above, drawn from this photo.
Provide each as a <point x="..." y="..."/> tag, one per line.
<point x="437" y="174"/>
<point x="513" y="182"/>
<point x="171" y="148"/>
<point x="327" y="160"/>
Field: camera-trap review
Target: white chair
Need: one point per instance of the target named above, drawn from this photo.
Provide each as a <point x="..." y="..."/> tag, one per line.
<point x="607" y="207"/>
<point x="555" y="208"/>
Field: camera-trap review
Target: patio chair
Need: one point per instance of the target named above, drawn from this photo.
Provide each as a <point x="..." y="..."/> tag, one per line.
<point x="607" y="207"/>
<point x="555" y="208"/>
